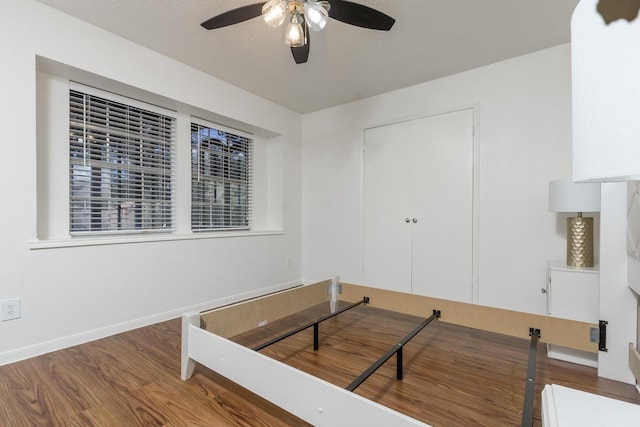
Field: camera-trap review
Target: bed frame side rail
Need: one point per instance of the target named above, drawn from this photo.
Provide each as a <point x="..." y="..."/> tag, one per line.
<point x="314" y="400"/>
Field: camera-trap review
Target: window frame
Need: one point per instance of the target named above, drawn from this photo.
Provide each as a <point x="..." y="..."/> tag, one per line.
<point x="224" y="179"/>
<point x="150" y="159"/>
<point x="51" y="227"/>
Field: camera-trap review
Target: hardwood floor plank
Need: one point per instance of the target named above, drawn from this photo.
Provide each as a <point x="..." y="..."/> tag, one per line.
<point x="130" y="379"/>
<point x="14" y="387"/>
<point x="46" y="394"/>
<point x="453" y="376"/>
<point x="217" y="401"/>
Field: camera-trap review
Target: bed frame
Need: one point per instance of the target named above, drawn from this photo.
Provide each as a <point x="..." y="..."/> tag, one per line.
<point x="318" y="402"/>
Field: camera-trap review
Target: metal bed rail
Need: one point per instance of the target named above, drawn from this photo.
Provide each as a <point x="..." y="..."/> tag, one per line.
<point x="529" y="393"/>
<point x="315" y="324"/>
<point x="397" y="350"/>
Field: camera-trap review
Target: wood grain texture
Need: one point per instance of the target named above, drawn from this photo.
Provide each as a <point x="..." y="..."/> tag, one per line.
<point x="567" y="333"/>
<point x="237" y="318"/>
<point x="452" y="375"/>
<point x="130" y="379"/>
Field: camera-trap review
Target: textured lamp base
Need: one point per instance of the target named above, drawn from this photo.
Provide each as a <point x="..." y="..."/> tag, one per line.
<point x="580" y="242"/>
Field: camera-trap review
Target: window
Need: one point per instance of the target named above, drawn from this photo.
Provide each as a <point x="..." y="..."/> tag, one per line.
<point x="121" y="166"/>
<point x="221" y="169"/>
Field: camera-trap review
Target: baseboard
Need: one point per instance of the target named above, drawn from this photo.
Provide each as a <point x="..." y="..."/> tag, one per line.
<point x="634" y="363"/>
<point x="573" y="356"/>
<point x="39" y="349"/>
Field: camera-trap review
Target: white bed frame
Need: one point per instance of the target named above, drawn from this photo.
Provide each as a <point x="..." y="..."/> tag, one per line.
<point x="314" y="400"/>
<point x="319" y="402"/>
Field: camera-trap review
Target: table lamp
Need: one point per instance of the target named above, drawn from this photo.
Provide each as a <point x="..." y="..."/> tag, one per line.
<point x="568" y="196"/>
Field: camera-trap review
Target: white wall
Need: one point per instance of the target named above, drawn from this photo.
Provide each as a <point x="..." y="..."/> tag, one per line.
<point x="524" y="136"/>
<point x="73" y="294"/>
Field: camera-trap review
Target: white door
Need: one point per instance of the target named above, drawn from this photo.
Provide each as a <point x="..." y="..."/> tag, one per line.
<point x="420" y="171"/>
<point x="443" y="201"/>
<point x="387" y="235"/>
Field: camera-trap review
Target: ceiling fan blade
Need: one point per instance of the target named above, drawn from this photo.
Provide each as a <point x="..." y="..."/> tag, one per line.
<point x="360" y="15"/>
<point x="234" y="16"/>
<point x="301" y="54"/>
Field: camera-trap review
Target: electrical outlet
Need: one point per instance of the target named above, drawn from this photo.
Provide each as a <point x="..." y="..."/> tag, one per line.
<point x="287" y="261"/>
<point x="9" y="309"/>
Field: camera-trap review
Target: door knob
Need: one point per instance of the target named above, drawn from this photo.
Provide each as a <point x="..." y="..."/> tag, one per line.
<point x="415" y="220"/>
<point x="407" y="220"/>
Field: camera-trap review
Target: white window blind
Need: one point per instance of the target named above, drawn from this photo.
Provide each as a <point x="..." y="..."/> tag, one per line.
<point x="221" y="174"/>
<point x="121" y="166"/>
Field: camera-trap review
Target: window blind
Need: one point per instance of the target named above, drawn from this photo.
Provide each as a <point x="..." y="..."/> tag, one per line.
<point x="121" y="161"/>
<point x="221" y="179"/>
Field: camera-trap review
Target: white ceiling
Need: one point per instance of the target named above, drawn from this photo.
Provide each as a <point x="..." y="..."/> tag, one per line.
<point x="431" y="39"/>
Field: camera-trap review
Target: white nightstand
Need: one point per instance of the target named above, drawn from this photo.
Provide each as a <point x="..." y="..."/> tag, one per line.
<point x="573" y="293"/>
<point x="566" y="407"/>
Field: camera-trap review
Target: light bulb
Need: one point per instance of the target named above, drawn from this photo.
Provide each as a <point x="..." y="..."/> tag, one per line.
<point x="274" y="12"/>
<point x="295" y="36"/>
<point x="316" y="14"/>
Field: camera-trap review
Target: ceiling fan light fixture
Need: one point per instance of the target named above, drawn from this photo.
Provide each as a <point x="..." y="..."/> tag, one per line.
<point x="274" y="12"/>
<point x="316" y="14"/>
<point x="303" y="16"/>
<point x="295" y="35"/>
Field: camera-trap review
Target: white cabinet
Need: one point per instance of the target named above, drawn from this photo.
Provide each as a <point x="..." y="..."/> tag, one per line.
<point x="418" y="206"/>
<point x="567" y="407"/>
<point x="573" y="293"/>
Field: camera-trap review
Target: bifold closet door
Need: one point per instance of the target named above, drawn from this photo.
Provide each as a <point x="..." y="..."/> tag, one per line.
<point x="418" y="206"/>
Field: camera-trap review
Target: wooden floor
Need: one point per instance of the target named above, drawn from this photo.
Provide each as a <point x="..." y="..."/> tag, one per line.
<point x="131" y="379"/>
<point x="453" y="376"/>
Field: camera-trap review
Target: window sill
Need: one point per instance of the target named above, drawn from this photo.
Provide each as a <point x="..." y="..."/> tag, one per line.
<point x="71" y="242"/>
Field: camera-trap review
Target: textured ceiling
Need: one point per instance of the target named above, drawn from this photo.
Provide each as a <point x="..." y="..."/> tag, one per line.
<point x="431" y="39"/>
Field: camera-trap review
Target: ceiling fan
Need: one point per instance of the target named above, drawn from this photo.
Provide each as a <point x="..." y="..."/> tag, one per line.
<point x="313" y="13"/>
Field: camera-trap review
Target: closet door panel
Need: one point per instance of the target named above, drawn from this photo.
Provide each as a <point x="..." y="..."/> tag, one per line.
<point x="387" y="195"/>
<point x="442" y="199"/>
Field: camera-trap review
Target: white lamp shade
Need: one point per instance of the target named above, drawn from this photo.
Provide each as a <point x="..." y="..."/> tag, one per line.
<point x="316" y="15"/>
<point x="569" y="196"/>
<point x="294" y="35"/>
<point x="274" y="12"/>
<point x="605" y="73"/>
